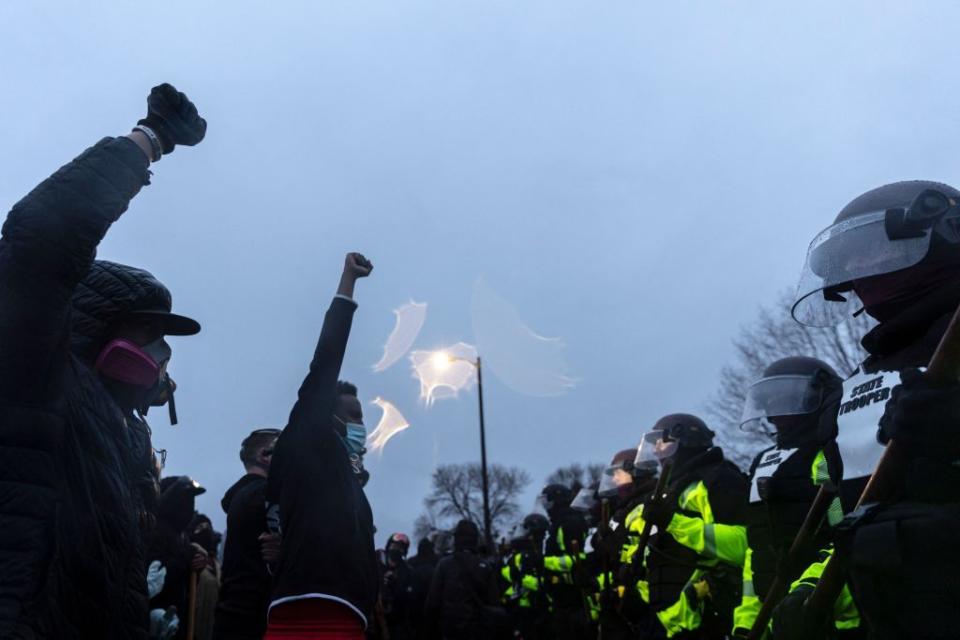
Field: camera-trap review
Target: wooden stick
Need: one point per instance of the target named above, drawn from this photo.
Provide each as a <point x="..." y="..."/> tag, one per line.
<point x="944" y="369"/>
<point x="192" y="604"/>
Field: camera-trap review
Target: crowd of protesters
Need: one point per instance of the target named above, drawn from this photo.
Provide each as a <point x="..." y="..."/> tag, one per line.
<point x="675" y="541"/>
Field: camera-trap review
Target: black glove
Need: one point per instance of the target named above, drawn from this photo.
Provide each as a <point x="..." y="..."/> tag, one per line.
<point x="923" y="417"/>
<point x="658" y="512"/>
<point x="790" y="621"/>
<point x="174" y="119"/>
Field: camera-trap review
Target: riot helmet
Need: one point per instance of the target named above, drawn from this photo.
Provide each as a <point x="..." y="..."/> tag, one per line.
<point x="619" y="476"/>
<point x="787" y="401"/>
<point x="883" y="231"/>
<point x="535" y="525"/>
<point x="673" y="434"/>
<point x="555" y="497"/>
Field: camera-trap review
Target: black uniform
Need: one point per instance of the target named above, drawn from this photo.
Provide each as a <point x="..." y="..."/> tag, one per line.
<point x="561" y="555"/>
<point x="671" y="566"/>
<point x="620" y="616"/>
<point x="900" y="556"/>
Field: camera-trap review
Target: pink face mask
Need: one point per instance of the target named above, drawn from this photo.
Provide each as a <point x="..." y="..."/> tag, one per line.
<point x="127" y="362"/>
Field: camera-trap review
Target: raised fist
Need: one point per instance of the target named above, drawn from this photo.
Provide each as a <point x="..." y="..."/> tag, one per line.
<point x="174" y="119"/>
<point x="357" y="266"/>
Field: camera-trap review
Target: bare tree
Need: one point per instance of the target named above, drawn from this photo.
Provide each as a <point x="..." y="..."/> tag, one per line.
<point x="774" y="335"/>
<point x="576" y="476"/>
<point x="457" y="493"/>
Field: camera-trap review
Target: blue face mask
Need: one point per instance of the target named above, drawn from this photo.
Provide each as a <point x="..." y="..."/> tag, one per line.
<point x="355" y="441"/>
<point x="356" y="438"/>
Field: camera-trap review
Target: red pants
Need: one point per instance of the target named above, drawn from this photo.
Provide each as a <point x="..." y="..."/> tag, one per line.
<point x="313" y="619"/>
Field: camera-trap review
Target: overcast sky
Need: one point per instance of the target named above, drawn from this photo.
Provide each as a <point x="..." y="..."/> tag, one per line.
<point x="634" y="177"/>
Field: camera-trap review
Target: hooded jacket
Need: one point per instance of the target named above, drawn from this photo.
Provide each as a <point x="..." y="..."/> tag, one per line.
<point x="77" y="489"/>
<point x="245" y="587"/>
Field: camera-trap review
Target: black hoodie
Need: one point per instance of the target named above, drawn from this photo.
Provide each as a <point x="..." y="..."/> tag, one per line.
<point x="245" y="582"/>
<point x="325" y="519"/>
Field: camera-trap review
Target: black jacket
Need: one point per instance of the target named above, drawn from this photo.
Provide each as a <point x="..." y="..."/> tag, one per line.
<point x="325" y="519"/>
<point x="245" y="582"/>
<point x="462" y="584"/>
<point x="423" y="565"/>
<point x="76" y="487"/>
<point x="566" y="541"/>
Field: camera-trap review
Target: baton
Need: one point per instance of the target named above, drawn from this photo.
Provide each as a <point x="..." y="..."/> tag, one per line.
<point x="662" y="482"/>
<point x="944" y="369"/>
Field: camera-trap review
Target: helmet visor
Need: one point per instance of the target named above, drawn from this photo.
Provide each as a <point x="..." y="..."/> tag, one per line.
<point x="850" y="250"/>
<point x="654" y="448"/>
<point x="612" y="478"/>
<point x="584" y="501"/>
<point x="788" y="395"/>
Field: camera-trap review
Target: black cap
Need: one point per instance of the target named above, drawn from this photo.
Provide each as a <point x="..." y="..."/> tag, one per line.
<point x="173" y="323"/>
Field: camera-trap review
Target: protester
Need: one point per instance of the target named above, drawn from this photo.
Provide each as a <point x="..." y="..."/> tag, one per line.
<point x="396" y="594"/>
<point x="208" y="583"/>
<point x="892" y="252"/>
<point x="245" y="590"/>
<point x="422" y="565"/>
<point x="326" y="579"/>
<point x="170" y="545"/>
<point x="562" y="552"/>
<point x="463" y="599"/>
<point x="80" y="339"/>
<point x="694" y="566"/>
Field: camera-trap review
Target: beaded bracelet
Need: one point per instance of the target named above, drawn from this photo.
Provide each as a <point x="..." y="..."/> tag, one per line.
<point x="154" y="141"/>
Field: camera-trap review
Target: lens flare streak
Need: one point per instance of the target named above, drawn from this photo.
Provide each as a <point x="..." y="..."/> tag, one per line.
<point x="409" y="321"/>
<point x="391" y="423"/>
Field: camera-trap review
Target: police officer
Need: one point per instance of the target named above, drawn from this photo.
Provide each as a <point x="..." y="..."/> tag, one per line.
<point x="562" y="554"/>
<point x="624" y="486"/>
<point x="522" y="573"/>
<point x="694" y="560"/>
<point x="796" y="402"/>
<point x="893" y="253"/>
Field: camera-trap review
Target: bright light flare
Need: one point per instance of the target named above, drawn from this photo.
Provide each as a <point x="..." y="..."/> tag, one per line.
<point x="443" y="373"/>
<point x="391" y="423"/>
<point x="408" y="323"/>
<point x="441" y="360"/>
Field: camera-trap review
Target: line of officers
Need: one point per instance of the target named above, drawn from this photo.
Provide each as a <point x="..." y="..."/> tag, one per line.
<point x="675" y="541"/>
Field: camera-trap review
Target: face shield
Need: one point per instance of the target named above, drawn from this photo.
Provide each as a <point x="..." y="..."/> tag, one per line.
<point x="654" y="448"/>
<point x="854" y="249"/>
<point x="540" y="505"/>
<point x="584" y="501"/>
<point x="787" y="395"/>
<point x="613" y="478"/>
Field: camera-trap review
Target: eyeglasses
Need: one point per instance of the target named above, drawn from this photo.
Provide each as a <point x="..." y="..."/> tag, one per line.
<point x="161" y="455"/>
<point x="267" y="452"/>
